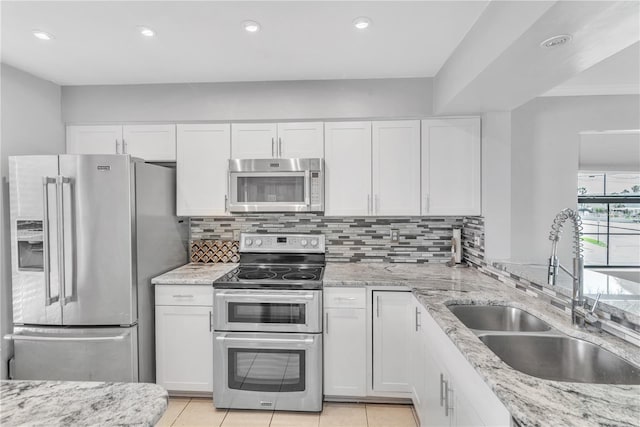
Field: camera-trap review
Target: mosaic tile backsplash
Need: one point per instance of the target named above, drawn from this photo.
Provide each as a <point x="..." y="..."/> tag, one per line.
<point x="348" y="239"/>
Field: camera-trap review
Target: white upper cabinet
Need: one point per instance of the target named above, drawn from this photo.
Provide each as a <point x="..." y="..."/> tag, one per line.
<point x="347" y="148"/>
<point x="94" y="139"/>
<point x="254" y="140"/>
<point x="277" y="140"/>
<point x="451" y="166"/>
<point x="154" y="143"/>
<point x="300" y="140"/>
<point x="396" y="167"/>
<point x="203" y="152"/>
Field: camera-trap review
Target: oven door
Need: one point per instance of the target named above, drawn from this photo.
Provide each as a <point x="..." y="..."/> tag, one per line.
<point x="267" y="310"/>
<point x="270" y="191"/>
<point x="267" y="371"/>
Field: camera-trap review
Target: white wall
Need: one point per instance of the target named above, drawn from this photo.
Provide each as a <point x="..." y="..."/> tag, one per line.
<point x="544" y="156"/>
<point x="31" y="124"/>
<point x="496" y="184"/>
<point x="288" y="100"/>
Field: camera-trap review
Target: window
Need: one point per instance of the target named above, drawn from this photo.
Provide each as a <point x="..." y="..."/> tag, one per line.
<point x="609" y="204"/>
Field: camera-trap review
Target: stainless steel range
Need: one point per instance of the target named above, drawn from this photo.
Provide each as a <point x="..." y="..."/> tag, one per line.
<point x="268" y="325"/>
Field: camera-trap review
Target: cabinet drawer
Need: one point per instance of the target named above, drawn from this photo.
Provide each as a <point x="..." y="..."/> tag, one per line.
<point x="184" y="295"/>
<point x="345" y="297"/>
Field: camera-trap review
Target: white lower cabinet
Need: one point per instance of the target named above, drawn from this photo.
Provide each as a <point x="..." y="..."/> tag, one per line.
<point x="184" y="338"/>
<point x="392" y="322"/>
<point x="454" y="394"/>
<point x="345" y="345"/>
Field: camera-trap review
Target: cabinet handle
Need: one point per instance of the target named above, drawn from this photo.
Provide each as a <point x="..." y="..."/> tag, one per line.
<point x="273" y="145"/>
<point x="426" y="203"/>
<point x="441" y="389"/>
<point x="210" y="321"/>
<point x="326" y="323"/>
<point x="446" y="398"/>
<point x="418" y="325"/>
<point x="226" y="203"/>
<point x="344" y="298"/>
<point x="182" y="296"/>
<point x="279" y="147"/>
<point x="117" y="146"/>
<point x="377" y="305"/>
<point x="368" y="204"/>
<point x="124" y="146"/>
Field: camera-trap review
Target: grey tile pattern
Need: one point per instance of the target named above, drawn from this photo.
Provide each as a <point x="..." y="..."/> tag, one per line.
<point x="348" y="239"/>
<point x="615" y="321"/>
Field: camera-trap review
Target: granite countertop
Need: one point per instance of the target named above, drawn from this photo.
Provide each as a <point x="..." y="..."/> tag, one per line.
<point x="63" y="403"/>
<point x="194" y="274"/>
<point x="530" y="400"/>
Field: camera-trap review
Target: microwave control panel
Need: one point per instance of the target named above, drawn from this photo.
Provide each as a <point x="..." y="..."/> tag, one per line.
<point x="316" y="189"/>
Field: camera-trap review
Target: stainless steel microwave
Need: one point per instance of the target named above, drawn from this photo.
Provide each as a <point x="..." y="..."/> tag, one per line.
<point x="276" y="185"/>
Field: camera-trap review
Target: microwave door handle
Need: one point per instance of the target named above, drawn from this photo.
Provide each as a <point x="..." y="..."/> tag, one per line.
<point x="46" y="255"/>
<point x="307" y="182"/>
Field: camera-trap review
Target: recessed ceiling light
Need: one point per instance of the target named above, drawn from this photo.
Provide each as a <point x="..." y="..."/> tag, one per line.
<point x="146" y="31"/>
<point x="556" y="40"/>
<point x="251" y="26"/>
<point x="42" y="35"/>
<point x="362" y="22"/>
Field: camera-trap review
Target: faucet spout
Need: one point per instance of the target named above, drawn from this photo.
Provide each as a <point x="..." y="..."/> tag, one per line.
<point x="577" y="295"/>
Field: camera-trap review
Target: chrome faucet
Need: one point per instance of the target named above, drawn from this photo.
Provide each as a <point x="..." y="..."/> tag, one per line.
<point x="577" y="296"/>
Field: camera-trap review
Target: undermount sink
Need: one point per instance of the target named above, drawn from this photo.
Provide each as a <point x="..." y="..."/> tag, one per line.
<point x="498" y="318"/>
<point x="561" y="358"/>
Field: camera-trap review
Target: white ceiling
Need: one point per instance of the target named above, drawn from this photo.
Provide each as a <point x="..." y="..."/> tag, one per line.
<point x="616" y="75"/>
<point x="203" y="41"/>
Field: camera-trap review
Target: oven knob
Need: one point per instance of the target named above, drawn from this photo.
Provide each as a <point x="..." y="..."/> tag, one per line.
<point x="258" y="242"/>
<point x="314" y="242"/>
<point x="248" y="242"/>
<point x="303" y="242"/>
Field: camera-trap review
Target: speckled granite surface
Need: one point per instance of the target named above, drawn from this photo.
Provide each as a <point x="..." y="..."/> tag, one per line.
<point x="531" y="401"/>
<point x="70" y="403"/>
<point x="194" y="274"/>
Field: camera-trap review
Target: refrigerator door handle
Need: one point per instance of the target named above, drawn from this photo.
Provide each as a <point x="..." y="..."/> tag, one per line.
<point x="60" y="181"/>
<point x="48" y="300"/>
<point x="29" y="337"/>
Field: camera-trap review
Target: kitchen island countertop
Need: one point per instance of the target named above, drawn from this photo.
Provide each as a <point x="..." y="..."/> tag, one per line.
<point x="64" y="403"/>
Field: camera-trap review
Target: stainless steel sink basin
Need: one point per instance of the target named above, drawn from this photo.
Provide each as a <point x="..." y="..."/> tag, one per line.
<point x="498" y="318"/>
<point x="562" y="359"/>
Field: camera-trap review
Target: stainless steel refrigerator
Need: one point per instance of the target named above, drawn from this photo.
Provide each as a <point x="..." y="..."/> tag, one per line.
<point x="88" y="232"/>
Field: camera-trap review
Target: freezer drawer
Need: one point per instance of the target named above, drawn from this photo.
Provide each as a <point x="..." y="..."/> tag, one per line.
<point x="75" y="354"/>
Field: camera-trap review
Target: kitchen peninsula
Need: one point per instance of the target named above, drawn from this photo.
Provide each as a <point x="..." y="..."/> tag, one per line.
<point x="52" y="403"/>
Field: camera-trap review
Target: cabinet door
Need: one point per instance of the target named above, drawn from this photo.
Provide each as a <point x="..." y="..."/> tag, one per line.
<point x="396" y="167"/>
<point x="202" y="157"/>
<point x="451" y="166"/>
<point x="253" y="140"/>
<point x="392" y="323"/>
<point x="345" y="350"/>
<point x="153" y="143"/>
<point x="347" y="149"/>
<point x="416" y="356"/>
<point x="184" y="348"/>
<point x="301" y="140"/>
<point x="94" y="139"/>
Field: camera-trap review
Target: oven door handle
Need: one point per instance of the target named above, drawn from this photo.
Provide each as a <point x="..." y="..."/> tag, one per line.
<point x="267" y="340"/>
<point x="267" y="296"/>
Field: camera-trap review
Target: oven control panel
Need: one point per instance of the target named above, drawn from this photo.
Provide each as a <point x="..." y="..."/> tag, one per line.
<point x="286" y="243"/>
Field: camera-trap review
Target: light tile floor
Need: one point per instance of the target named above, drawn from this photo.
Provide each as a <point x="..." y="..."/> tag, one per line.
<point x="197" y="412"/>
